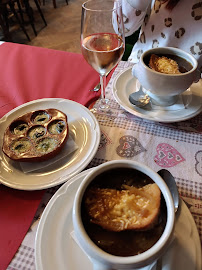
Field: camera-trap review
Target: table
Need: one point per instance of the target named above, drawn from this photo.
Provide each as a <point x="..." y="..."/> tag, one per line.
<point x="29" y="73"/>
<point x="125" y="136"/>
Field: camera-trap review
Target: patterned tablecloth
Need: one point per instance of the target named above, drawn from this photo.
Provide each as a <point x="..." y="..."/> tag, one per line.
<point x="175" y="146"/>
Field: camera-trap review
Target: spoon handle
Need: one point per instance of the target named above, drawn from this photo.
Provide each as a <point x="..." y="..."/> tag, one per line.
<point x="96" y="88"/>
<point x="159" y="264"/>
<point x="170" y="181"/>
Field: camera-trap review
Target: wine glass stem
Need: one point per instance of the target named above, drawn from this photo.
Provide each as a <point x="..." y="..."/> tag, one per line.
<point x="104" y="101"/>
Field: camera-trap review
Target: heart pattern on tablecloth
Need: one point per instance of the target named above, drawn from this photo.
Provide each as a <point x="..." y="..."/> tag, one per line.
<point x="104" y="140"/>
<point x="198" y="165"/>
<point x="167" y="156"/>
<point x="129" y="147"/>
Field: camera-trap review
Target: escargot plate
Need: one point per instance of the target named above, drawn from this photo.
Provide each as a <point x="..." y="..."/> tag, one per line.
<point x="36" y="136"/>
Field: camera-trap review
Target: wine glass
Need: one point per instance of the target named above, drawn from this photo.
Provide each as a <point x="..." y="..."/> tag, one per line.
<point x="102" y="39"/>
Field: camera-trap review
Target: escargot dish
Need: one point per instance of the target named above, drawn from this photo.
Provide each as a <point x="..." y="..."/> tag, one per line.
<point x="36" y="136"/>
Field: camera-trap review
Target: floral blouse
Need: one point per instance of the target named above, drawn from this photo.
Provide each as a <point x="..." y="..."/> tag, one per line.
<point x="181" y="27"/>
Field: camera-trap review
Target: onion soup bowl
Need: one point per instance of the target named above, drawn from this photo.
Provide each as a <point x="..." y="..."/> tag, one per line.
<point x="108" y="249"/>
<point x="164" y="88"/>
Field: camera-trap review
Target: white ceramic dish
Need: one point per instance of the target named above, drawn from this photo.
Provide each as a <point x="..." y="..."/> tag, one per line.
<point x="85" y="131"/>
<point x="163" y="88"/>
<point x="125" y="84"/>
<point x="56" y="249"/>
<point x="103" y="260"/>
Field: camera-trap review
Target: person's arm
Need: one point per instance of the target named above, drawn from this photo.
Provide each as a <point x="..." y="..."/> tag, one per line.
<point x="134" y="12"/>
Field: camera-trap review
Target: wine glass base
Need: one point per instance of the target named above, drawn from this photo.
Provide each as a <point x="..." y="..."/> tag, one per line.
<point x="103" y="105"/>
<point x="102" y="108"/>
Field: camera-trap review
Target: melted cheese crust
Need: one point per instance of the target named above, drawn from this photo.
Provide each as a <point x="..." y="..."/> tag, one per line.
<point x="164" y="65"/>
<point x="118" y="210"/>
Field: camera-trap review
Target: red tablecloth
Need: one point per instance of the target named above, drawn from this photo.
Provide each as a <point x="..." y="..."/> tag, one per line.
<point x="29" y="73"/>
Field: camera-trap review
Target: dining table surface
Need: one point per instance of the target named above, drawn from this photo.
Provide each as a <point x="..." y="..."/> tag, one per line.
<point x="31" y="74"/>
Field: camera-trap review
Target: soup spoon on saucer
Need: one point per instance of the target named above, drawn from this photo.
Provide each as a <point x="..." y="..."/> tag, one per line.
<point x="170" y="181"/>
<point x="139" y="98"/>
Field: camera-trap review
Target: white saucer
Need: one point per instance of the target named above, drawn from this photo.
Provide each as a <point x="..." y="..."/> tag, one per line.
<point x="125" y="84"/>
<point x="56" y="249"/>
<point x="84" y="130"/>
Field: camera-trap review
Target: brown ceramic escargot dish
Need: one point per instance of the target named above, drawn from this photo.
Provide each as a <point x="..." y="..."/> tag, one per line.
<point x="36" y="136"/>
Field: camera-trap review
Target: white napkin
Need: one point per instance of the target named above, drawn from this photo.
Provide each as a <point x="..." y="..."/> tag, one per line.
<point x="69" y="148"/>
<point x="182" y="102"/>
<point x="181" y="254"/>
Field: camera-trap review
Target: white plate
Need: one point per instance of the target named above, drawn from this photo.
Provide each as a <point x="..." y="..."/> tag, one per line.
<point x="56" y="249"/>
<point x="83" y="128"/>
<point x="125" y="84"/>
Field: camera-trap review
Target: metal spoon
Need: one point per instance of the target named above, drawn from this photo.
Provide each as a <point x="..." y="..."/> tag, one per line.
<point x="170" y="181"/>
<point x="139" y="98"/>
<point x="96" y="88"/>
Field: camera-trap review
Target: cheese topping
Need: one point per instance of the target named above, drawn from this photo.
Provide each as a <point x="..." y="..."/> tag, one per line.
<point x="132" y="208"/>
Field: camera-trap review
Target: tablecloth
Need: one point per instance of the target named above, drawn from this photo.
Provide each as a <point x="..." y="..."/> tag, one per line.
<point x="29" y="73"/>
<point x="126" y="136"/>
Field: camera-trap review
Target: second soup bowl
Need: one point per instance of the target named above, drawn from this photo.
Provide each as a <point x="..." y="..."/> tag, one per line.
<point x="101" y="259"/>
<point x="163" y="88"/>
